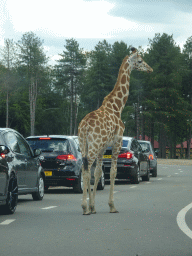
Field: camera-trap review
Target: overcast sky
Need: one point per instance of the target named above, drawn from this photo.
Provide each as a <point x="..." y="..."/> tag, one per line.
<point x="91" y="21"/>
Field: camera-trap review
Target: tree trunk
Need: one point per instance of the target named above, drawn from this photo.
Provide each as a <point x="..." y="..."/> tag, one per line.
<point x="71" y="115"/>
<point x="7" y="109"/>
<point x="32" y="101"/>
<point x="143" y="126"/>
<point x="188" y="144"/>
<point x="162" y="142"/>
<point x="152" y="133"/>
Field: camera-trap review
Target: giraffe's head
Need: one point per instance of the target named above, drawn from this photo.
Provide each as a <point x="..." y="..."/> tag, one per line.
<point x="137" y="62"/>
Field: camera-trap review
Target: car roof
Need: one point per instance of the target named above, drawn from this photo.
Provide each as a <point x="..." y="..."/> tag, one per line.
<point x="50" y="136"/>
<point x="149" y="142"/>
<point x="6" y="129"/>
<point x="127" y="138"/>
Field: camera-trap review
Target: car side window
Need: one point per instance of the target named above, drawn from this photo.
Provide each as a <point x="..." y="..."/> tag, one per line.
<point x="73" y="149"/>
<point x="134" y="146"/>
<point x="24" y="148"/>
<point x="12" y="141"/>
<point x="139" y="146"/>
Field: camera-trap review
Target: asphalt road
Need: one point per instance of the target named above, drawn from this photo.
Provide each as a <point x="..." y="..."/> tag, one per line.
<point x="155" y="218"/>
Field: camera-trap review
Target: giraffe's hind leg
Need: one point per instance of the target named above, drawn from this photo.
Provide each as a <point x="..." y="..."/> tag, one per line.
<point x="113" y="173"/>
<point x="86" y="185"/>
<point x="97" y="174"/>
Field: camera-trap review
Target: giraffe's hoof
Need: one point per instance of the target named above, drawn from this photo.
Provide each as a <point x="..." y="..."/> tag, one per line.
<point x="92" y="209"/>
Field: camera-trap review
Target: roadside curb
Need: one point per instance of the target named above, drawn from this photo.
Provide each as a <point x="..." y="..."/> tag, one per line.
<point x="174" y="161"/>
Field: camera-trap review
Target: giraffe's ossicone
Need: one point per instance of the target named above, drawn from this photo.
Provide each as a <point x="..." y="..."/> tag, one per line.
<point x="104" y="127"/>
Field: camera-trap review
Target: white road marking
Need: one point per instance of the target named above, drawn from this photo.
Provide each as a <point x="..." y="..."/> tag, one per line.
<point x="115" y="191"/>
<point x="181" y="221"/>
<point x="169" y="176"/>
<point x="148" y="182"/>
<point x="50" y="207"/>
<point x="7" y="222"/>
<point x="87" y="198"/>
<point x="133" y="187"/>
<point x="176" y="173"/>
<point x="159" y="179"/>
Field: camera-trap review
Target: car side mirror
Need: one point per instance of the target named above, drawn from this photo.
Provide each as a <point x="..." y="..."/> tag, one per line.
<point x="37" y="152"/>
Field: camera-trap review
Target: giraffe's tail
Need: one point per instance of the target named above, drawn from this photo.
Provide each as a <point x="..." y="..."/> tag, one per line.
<point x="84" y="147"/>
<point x="85" y="163"/>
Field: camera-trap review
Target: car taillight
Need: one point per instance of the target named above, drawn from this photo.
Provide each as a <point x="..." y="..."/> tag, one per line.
<point x="127" y="155"/>
<point x="150" y="157"/>
<point x="2" y="155"/>
<point x="66" y="157"/>
<point x="44" y="138"/>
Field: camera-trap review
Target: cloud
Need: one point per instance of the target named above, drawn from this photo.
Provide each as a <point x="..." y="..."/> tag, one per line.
<point x="74" y="18"/>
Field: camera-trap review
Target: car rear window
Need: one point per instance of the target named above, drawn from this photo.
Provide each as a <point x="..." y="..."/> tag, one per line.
<point x="145" y="145"/>
<point x="125" y="143"/>
<point x="50" y="145"/>
<point x="1" y="141"/>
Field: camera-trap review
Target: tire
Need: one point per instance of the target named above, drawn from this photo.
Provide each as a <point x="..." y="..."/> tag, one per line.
<point x="101" y="184"/>
<point x="136" y="178"/>
<point x="78" y="188"/>
<point x="12" y="196"/>
<point x="46" y="187"/>
<point x="154" y="173"/>
<point x="37" y="196"/>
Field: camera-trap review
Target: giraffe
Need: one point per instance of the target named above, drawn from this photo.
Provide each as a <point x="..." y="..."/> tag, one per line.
<point x="104" y="127"/>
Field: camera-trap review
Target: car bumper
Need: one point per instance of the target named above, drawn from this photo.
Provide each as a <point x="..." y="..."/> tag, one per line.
<point x="124" y="171"/>
<point x="60" y="178"/>
<point x="152" y="165"/>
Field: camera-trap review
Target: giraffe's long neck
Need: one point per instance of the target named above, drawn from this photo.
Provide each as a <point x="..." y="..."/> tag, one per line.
<point x="117" y="98"/>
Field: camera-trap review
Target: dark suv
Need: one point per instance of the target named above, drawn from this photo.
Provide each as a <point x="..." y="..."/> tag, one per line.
<point x="132" y="163"/>
<point x="20" y="170"/>
<point x="60" y="160"/>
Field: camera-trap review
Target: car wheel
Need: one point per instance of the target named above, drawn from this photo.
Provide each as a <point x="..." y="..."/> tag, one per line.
<point x="12" y="196"/>
<point x="154" y="173"/>
<point x="136" y="178"/>
<point x="101" y="184"/>
<point x="46" y="187"/>
<point x="40" y="193"/>
<point x="78" y="188"/>
<point x="146" y="177"/>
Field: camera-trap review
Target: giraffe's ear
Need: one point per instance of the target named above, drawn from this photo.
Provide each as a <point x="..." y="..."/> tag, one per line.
<point x="133" y="49"/>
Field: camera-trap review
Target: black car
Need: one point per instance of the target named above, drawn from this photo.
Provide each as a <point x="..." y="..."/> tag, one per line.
<point x="61" y="160"/>
<point x="20" y="170"/>
<point x="101" y="184"/>
<point x="148" y="149"/>
<point x="132" y="163"/>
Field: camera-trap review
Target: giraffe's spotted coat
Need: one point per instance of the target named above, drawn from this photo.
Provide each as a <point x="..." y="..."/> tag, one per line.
<point x="104" y="127"/>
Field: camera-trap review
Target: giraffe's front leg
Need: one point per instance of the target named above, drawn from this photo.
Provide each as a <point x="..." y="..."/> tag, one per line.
<point x="113" y="173"/>
<point x="85" y="185"/>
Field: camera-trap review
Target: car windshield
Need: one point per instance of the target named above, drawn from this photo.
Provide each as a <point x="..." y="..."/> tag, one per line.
<point x="145" y="146"/>
<point x="49" y="145"/>
<point x="125" y="143"/>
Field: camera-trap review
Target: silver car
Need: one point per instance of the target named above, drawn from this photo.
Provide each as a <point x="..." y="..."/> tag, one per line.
<point x="148" y="149"/>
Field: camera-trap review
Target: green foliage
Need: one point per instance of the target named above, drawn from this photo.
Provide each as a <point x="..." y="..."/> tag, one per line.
<point x="159" y="104"/>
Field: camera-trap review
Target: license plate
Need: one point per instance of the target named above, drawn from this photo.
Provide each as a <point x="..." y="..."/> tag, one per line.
<point x="48" y="173"/>
<point x="107" y="156"/>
